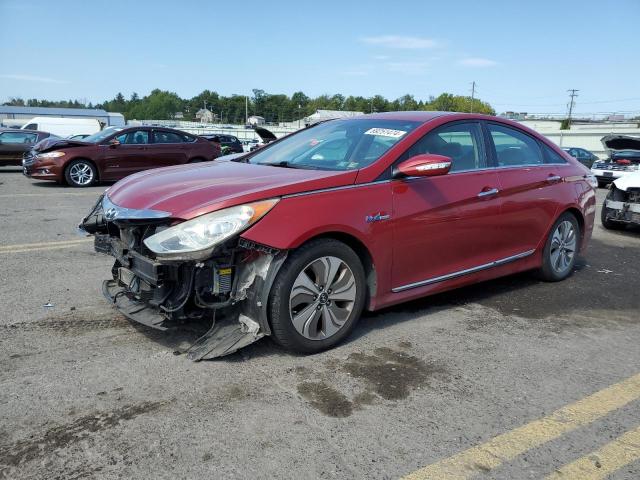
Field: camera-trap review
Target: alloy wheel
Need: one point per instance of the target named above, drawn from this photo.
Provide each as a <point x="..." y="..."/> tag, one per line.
<point x="563" y="247"/>
<point x="81" y="174"/>
<point x="322" y="298"/>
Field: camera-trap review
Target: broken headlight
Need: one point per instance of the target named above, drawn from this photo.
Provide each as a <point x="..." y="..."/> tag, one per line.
<point x="197" y="237"/>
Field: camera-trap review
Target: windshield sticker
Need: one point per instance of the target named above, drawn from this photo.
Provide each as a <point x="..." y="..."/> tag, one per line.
<point x="385" y="132"/>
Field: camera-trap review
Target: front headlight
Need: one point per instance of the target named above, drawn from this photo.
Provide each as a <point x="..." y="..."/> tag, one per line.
<point x="592" y="180"/>
<point x="200" y="235"/>
<point x="50" y="155"/>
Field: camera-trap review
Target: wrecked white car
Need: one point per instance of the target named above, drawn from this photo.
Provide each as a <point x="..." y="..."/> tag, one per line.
<point x="622" y="204"/>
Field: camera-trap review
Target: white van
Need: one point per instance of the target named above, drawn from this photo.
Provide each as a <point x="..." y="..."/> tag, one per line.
<point x="63" y="127"/>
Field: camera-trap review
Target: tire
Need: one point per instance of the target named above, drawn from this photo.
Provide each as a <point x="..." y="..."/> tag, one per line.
<point x="80" y="173"/>
<point x="333" y="309"/>
<point x="609" y="224"/>
<point x="560" y="249"/>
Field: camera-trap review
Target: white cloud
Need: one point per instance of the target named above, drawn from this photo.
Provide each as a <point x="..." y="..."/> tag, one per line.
<point x="477" y="62"/>
<point x="399" y="41"/>
<point x="30" y="78"/>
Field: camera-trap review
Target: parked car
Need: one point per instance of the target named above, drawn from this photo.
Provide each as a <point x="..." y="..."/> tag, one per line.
<point x="114" y="153"/>
<point x="81" y="136"/>
<point x="622" y="203"/>
<point x="585" y="157"/>
<point x="624" y="158"/>
<point x="228" y="143"/>
<point x="265" y="135"/>
<point x="63" y="126"/>
<point x="14" y="143"/>
<point x="295" y="239"/>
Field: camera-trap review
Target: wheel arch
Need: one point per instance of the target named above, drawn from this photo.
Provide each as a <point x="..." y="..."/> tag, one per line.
<point x="371" y="276"/>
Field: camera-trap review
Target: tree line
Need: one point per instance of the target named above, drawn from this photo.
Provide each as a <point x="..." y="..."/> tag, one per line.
<point x="275" y="108"/>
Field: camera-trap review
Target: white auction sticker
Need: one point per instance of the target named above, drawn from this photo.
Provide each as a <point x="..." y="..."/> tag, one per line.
<point x="385" y="132"/>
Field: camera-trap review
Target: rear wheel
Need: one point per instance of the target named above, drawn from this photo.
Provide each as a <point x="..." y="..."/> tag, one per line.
<point x="317" y="296"/>
<point x="80" y="173"/>
<point x="561" y="248"/>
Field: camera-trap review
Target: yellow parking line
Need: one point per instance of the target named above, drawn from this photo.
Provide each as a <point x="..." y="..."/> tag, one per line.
<point x="509" y="445"/>
<point x="33" y="247"/>
<point x="611" y="457"/>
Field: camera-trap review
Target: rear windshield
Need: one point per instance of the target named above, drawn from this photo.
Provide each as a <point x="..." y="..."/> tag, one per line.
<point x="336" y="145"/>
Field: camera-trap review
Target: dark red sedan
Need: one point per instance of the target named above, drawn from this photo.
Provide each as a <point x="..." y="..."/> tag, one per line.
<point x="114" y="153"/>
<point x="295" y="239"/>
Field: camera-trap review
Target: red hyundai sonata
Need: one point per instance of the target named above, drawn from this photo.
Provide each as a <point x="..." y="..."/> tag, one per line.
<point x="295" y="239"/>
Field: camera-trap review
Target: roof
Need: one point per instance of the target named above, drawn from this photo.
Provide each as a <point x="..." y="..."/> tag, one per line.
<point x="35" y="111"/>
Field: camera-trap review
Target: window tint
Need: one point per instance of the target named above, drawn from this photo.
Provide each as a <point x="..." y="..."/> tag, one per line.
<point x="31" y="126"/>
<point x="551" y="156"/>
<point x="160" y="136"/>
<point x="135" y="137"/>
<point x="514" y="148"/>
<point x="459" y="141"/>
<point x="18" y="137"/>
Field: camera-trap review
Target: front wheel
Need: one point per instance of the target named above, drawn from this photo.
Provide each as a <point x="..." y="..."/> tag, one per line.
<point x="317" y="296"/>
<point x="80" y="173"/>
<point x="561" y="248"/>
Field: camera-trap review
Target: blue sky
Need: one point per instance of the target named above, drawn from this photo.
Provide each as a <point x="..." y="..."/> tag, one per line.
<point x="523" y="55"/>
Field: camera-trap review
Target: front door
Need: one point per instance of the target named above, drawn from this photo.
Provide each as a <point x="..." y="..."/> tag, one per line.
<point x="130" y="156"/>
<point x="446" y="224"/>
<point x="168" y="148"/>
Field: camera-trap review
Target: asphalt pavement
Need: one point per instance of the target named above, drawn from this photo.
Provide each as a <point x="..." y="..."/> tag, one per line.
<point x="512" y="378"/>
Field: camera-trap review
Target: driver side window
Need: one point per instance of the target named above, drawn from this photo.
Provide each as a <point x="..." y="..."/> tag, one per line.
<point x="459" y="141"/>
<point x="135" y="137"/>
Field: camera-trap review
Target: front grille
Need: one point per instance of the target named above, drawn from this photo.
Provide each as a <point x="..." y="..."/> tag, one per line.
<point x="28" y="158"/>
<point x="615" y="167"/>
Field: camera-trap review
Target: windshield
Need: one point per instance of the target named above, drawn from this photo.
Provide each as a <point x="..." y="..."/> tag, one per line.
<point x="99" y="136"/>
<point x="336" y="145"/>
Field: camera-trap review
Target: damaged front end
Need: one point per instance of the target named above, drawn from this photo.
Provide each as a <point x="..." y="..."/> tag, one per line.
<point x="622" y="204"/>
<point x="229" y="287"/>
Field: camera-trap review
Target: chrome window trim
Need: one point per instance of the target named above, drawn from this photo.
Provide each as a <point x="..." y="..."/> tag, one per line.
<point x="460" y="273"/>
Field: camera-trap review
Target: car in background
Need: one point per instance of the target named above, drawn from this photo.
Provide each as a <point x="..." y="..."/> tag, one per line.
<point x="114" y="153"/>
<point x="266" y="136"/>
<point x="624" y="158"/>
<point x="15" y="142"/>
<point x="296" y="239"/>
<point x="622" y="204"/>
<point x="584" y="156"/>
<point x="80" y="136"/>
<point x="228" y="143"/>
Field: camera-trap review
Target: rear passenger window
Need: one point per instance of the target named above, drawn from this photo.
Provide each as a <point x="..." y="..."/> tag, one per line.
<point x="514" y="148"/>
<point x="551" y="156"/>
<point x="459" y="141"/>
<point x="167" y="137"/>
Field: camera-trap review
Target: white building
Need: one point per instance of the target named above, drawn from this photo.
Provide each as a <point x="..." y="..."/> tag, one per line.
<point x="255" y="120"/>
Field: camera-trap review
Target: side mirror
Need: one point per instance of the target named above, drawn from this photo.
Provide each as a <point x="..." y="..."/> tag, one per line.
<point x="114" y="142"/>
<point x="425" y="165"/>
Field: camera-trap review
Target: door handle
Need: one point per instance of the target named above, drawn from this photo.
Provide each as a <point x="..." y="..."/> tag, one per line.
<point x="488" y="192"/>
<point x="553" y="178"/>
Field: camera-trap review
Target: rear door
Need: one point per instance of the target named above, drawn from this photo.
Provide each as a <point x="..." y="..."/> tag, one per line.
<point x="446" y="224"/>
<point x="14" y="144"/>
<point x="168" y="148"/>
<point x="528" y="185"/>
<point x="130" y="156"/>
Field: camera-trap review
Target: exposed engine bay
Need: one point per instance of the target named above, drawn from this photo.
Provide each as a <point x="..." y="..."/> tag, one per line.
<point x="229" y="289"/>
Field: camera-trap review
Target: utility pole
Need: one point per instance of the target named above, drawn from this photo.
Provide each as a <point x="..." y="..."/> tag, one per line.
<point x="473" y="94"/>
<point x="573" y="95"/>
<point x="246" y="110"/>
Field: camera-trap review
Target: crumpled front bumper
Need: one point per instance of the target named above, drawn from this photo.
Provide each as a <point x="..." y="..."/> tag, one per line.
<point x="237" y="323"/>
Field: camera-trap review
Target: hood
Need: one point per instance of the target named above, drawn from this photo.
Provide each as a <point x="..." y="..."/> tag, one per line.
<point x="266" y="135"/>
<point x="620" y="142"/>
<point x="188" y="191"/>
<point x="56" y="143"/>
<point x="631" y="180"/>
